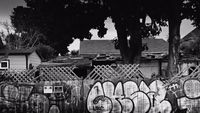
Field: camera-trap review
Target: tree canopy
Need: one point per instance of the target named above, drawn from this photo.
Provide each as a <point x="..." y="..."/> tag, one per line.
<point x="174" y="11"/>
<point x="60" y="21"/>
<point x="63" y="20"/>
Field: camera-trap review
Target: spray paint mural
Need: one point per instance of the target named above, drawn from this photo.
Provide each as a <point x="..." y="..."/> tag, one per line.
<point x="23" y="98"/>
<point x="131" y="97"/>
<point x="191" y="99"/>
<point x="128" y="97"/>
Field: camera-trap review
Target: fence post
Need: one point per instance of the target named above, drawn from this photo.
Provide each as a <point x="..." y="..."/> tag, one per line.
<point x="82" y="107"/>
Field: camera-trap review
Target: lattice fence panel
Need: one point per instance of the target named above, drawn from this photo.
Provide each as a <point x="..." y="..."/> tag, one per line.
<point x="57" y="74"/>
<point x="129" y="71"/>
<point x="42" y="74"/>
<point x="107" y="72"/>
<point x="21" y="76"/>
<point x="102" y="72"/>
<point x="195" y="73"/>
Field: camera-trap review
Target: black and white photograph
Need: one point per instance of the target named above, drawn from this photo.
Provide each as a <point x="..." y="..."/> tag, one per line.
<point x="99" y="56"/>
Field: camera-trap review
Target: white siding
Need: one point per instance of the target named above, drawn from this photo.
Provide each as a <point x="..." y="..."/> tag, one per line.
<point x="34" y="59"/>
<point x="17" y="62"/>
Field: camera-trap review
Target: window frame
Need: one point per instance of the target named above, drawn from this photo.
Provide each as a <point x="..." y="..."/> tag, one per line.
<point x="4" y="61"/>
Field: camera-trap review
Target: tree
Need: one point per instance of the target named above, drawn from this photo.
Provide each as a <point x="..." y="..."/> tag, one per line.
<point x="60" y="21"/>
<point x="190" y="44"/>
<point x="71" y="19"/>
<point x="129" y="17"/>
<point x="74" y="52"/>
<point x="3" y="36"/>
<point x="173" y="11"/>
<point x="25" y="40"/>
<point x="45" y="52"/>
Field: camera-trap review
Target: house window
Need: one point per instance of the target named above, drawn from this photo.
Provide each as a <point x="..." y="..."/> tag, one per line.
<point x="4" y="65"/>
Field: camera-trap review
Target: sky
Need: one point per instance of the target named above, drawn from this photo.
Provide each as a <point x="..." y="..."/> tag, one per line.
<point x="186" y="27"/>
<point x="6" y="8"/>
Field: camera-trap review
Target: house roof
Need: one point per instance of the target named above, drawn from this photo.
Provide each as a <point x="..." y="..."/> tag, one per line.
<point x="16" y="52"/>
<point x="67" y="61"/>
<point x="98" y="47"/>
<point x="188" y="41"/>
<point x="194" y="34"/>
<point x="156" y="45"/>
<point x="107" y="46"/>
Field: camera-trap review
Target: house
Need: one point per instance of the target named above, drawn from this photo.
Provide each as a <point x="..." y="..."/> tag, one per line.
<point x="19" y="59"/>
<point x="190" y="57"/>
<point x="151" y="62"/>
<point x="91" y="48"/>
<point x="190" y="41"/>
<point x="80" y="66"/>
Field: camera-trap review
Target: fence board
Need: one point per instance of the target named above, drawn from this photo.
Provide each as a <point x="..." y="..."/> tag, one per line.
<point x="80" y="94"/>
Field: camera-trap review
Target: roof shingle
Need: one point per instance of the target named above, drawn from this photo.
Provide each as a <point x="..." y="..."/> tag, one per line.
<point x="17" y="51"/>
<point x="107" y="46"/>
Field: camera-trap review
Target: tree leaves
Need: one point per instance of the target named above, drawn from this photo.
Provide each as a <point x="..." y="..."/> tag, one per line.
<point x="60" y="21"/>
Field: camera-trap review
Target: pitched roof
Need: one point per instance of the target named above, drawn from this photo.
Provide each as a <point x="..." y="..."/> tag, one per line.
<point x="156" y="45"/>
<point x="16" y="52"/>
<point x="188" y="41"/>
<point x="193" y="35"/>
<point x="67" y="61"/>
<point x="98" y="47"/>
<point x="107" y="46"/>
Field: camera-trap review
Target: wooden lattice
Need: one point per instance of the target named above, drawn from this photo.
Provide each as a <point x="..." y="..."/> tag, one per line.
<point x="57" y="74"/>
<point x="20" y="76"/>
<point x="195" y="73"/>
<point x="102" y="72"/>
<point x="107" y="72"/>
<point x="42" y="74"/>
<point x="129" y="71"/>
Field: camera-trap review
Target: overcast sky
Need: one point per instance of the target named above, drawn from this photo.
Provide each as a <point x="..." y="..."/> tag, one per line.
<point x="6" y="8"/>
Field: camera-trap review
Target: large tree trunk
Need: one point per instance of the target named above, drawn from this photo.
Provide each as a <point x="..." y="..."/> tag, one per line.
<point x="135" y="39"/>
<point x="123" y="42"/>
<point x="174" y="37"/>
<point x="130" y="50"/>
<point x="174" y="42"/>
<point x="136" y="47"/>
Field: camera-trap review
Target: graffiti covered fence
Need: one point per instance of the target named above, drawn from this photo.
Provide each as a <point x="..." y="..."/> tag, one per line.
<point x="106" y="89"/>
<point x="131" y="93"/>
<point x="44" y="90"/>
<point x="128" y="93"/>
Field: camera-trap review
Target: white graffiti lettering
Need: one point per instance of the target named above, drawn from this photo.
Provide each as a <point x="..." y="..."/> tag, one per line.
<point x="191" y="101"/>
<point x="128" y="97"/>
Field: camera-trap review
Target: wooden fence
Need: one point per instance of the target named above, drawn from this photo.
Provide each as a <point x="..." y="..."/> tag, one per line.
<point x="41" y="75"/>
<point x="106" y="89"/>
<point x="107" y="72"/>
